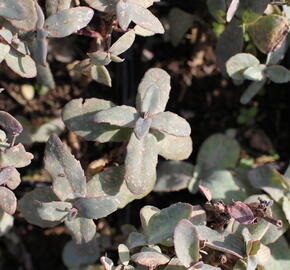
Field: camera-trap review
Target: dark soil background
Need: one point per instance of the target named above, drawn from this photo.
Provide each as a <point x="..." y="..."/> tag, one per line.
<point x="199" y="93"/>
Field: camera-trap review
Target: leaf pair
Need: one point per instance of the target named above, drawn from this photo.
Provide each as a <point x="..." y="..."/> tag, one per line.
<point x="142" y="150"/>
<point x="128" y="11"/>
<point x="95" y="64"/>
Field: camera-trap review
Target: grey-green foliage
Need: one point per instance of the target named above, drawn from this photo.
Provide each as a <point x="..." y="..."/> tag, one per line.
<point x="68" y="201"/>
<point x="128" y="11"/>
<point x="245" y="66"/>
<point x="22" y="18"/>
<point x="95" y="64"/>
<point x="149" y="129"/>
<point x="11" y="157"/>
<point x="216" y="166"/>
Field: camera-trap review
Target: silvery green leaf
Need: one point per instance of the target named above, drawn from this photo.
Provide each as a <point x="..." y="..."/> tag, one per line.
<point x="68" y="21"/>
<point x="146" y="213"/>
<point x="53" y="211"/>
<point x="29" y="22"/>
<point x="77" y="255"/>
<point x="69" y="181"/>
<point x="123" y="43"/>
<point x="101" y="75"/>
<point x="28" y="207"/>
<point x="238" y="63"/>
<point x="251" y="91"/>
<point x="218" y="152"/>
<point x="136" y="239"/>
<point x="171" y="123"/>
<point x="78" y="116"/>
<point x="14" y="180"/>
<point x="102" y="5"/>
<point x="150" y="259"/>
<point x="40" y="16"/>
<point x="8" y="201"/>
<point x="140" y="164"/>
<point x="124" y="254"/>
<point x="286" y="208"/>
<point x="21" y="64"/>
<point x="40" y="52"/>
<point x="121" y="116"/>
<point x="255" y="73"/>
<point x="144" y="18"/>
<point x="53" y="6"/>
<point x="124" y="11"/>
<point x="155" y="79"/>
<point x="143" y="32"/>
<point x="15" y="156"/>
<point x="96" y="207"/>
<point x="142" y="127"/>
<point x="172" y="147"/>
<point x="161" y="225"/>
<point x="13" y="10"/>
<point x="173" y="176"/>
<point x="278" y="74"/>
<point x="82" y="230"/>
<point x="99" y="58"/>
<point x="186" y="243"/>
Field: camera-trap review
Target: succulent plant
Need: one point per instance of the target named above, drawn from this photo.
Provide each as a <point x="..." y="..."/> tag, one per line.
<point x="149" y="129"/>
<point x="11" y="157"/>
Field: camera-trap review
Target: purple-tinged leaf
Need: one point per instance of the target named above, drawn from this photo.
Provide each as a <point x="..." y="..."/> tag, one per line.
<point x="10" y="124"/>
<point x="102" y="5"/>
<point x="150" y="259"/>
<point x="205" y="191"/>
<point x="69" y="180"/>
<point x="8" y="201"/>
<point x="5" y="174"/>
<point x="241" y="213"/>
<point x="14" y="180"/>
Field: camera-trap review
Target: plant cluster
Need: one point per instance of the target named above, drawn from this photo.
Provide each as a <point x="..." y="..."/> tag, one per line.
<point x="240" y="224"/>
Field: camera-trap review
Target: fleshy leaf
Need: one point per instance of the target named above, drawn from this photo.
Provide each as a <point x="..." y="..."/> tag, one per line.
<point x="111" y="183"/>
<point x="6" y="222"/>
<point x="241" y="212"/>
<point x="15" y="156"/>
<point x="68" y="21"/>
<point x="11" y="125"/>
<point x="174" y="148"/>
<point x="150" y="258"/>
<point x="99" y="58"/>
<point x="136" y="239"/>
<point x="101" y="5"/>
<point x="140" y="164"/>
<point x="101" y="75"/>
<point x="218" y="152"/>
<point x="28" y="207"/>
<point x="171" y="123"/>
<point x="82" y="230"/>
<point x="69" y="181"/>
<point x="21" y="64"/>
<point x="286" y="208"/>
<point x="124" y="13"/>
<point x="96" y="207"/>
<point x="162" y="224"/>
<point x="124" y="254"/>
<point x="8" y="201"/>
<point x="173" y="176"/>
<point x="255" y="73"/>
<point x="278" y="74"/>
<point x="78" y="115"/>
<point x="268" y="32"/>
<point x="76" y="255"/>
<point x="123" y="43"/>
<point x="121" y="116"/>
<point x="158" y="80"/>
<point x="142" y="127"/>
<point x="222" y="241"/>
<point x="186" y="243"/>
<point x="269" y="180"/>
<point x="29" y="22"/>
<point x="53" y="211"/>
<point x="13" y="10"/>
<point x="252" y="90"/>
<point x="238" y="63"/>
<point x="232" y="9"/>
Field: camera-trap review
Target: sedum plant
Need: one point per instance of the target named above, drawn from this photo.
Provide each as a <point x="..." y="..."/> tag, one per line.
<point x="149" y="130"/>
<point x="12" y="157"/>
